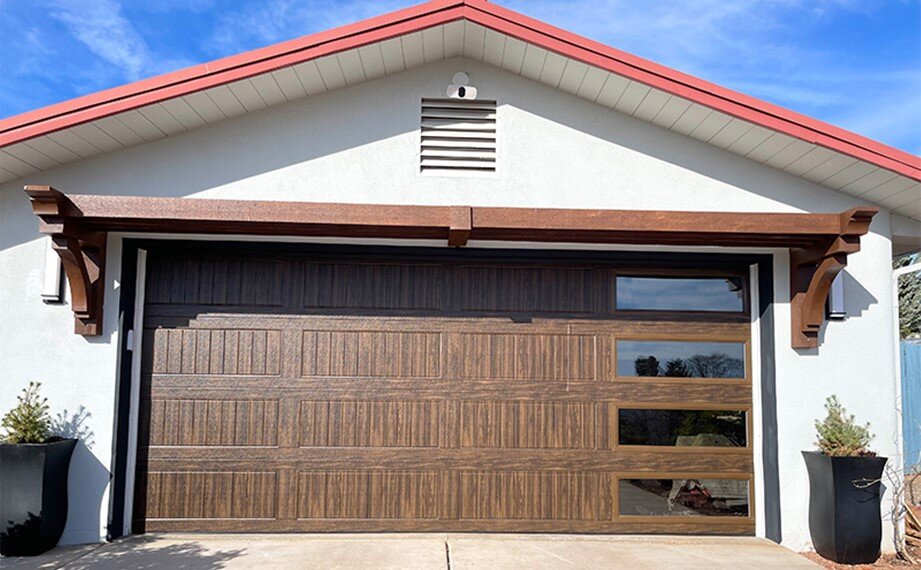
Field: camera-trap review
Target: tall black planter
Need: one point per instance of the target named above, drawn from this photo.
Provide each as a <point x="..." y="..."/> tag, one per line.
<point x="844" y="515"/>
<point x="33" y="495"/>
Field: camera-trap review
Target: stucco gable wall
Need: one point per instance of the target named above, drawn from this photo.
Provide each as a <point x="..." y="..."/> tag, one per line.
<point x="361" y="145"/>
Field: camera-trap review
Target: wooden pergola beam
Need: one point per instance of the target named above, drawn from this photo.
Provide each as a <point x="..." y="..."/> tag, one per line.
<point x="819" y="243"/>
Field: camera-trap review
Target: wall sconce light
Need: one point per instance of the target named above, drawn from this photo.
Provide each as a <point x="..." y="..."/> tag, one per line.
<point x="53" y="282"/>
<point x="835" y="307"/>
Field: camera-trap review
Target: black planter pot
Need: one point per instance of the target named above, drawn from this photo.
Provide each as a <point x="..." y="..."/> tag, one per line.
<point x="844" y="516"/>
<point x="33" y="495"/>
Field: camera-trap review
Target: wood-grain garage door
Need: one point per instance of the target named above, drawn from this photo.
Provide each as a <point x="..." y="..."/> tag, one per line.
<point x="323" y="390"/>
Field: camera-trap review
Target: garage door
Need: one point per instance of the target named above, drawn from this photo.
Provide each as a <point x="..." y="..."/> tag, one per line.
<point x="371" y="390"/>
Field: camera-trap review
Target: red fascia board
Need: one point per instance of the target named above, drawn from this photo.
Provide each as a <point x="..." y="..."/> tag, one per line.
<point x="234" y="68"/>
<point x="226" y="70"/>
<point x="692" y="88"/>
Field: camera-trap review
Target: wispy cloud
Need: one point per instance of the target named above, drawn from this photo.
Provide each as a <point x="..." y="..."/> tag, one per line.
<point x="100" y="26"/>
<point x="790" y="52"/>
<point x="270" y="21"/>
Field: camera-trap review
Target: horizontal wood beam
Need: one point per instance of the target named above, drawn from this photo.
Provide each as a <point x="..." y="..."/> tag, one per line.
<point x="195" y="215"/>
<point x="819" y="243"/>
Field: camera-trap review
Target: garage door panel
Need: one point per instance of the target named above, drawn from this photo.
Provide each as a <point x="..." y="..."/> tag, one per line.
<point x="522" y="425"/>
<point x="522" y="356"/>
<point x="211" y="495"/>
<point x="225" y="422"/>
<point x="231" y="282"/>
<point x="380" y="286"/>
<point x="369" y="494"/>
<point x="216" y="351"/>
<point x="515" y="289"/>
<point x="357" y="423"/>
<point x="524" y="495"/>
<point x="376" y="354"/>
<point x="312" y="392"/>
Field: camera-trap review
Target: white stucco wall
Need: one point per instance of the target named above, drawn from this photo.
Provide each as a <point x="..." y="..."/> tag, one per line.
<point x="361" y="145"/>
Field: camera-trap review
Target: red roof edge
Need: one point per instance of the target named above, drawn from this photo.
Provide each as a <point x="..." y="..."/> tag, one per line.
<point x="234" y="68"/>
<point x="695" y="89"/>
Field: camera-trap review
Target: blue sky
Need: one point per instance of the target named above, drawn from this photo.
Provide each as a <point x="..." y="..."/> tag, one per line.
<point x="853" y="63"/>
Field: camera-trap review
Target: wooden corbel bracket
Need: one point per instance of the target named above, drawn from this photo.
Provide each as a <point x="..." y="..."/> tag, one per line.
<point x="82" y="252"/>
<point x="812" y="271"/>
<point x="460" y="225"/>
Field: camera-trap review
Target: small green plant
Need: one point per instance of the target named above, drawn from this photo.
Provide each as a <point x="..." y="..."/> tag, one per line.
<point x="839" y="433"/>
<point x="29" y="421"/>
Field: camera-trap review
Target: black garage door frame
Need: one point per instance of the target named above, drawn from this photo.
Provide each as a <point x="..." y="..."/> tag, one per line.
<point x="127" y="303"/>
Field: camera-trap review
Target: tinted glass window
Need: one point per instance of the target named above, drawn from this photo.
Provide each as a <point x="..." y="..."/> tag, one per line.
<point x="681" y="359"/>
<point x="684" y="497"/>
<point x="710" y="428"/>
<point x="680" y="293"/>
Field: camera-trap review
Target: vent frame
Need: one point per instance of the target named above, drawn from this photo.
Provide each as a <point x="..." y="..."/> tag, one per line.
<point x="458" y="137"/>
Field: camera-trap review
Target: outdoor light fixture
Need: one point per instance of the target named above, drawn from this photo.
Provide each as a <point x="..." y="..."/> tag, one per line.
<point x="836" y="308"/>
<point x="460" y="88"/>
<point x="52" y="284"/>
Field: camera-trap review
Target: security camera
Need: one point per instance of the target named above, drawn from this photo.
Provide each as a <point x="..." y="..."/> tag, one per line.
<point x="459" y="88"/>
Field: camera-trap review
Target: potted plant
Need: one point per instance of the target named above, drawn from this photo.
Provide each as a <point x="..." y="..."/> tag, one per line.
<point x="33" y="471"/>
<point x="844" y="489"/>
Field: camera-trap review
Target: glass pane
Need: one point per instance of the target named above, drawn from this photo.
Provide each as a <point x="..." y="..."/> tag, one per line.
<point x="681" y="359"/>
<point x="680" y="293"/>
<point x="710" y="428"/>
<point x="684" y="497"/>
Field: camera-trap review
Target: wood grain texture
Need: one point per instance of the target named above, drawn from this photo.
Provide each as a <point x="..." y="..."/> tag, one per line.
<point x="819" y="245"/>
<point x="404" y="394"/>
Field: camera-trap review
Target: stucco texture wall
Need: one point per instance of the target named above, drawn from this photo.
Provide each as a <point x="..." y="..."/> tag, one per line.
<point x="360" y="145"/>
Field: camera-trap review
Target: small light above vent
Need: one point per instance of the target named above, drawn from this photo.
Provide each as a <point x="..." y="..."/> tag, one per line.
<point x="458" y="135"/>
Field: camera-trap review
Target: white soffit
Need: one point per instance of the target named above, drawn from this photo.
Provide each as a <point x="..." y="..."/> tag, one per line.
<point x="814" y="163"/>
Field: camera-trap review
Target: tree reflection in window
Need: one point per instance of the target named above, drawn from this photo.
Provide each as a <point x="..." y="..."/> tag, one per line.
<point x="677" y="359"/>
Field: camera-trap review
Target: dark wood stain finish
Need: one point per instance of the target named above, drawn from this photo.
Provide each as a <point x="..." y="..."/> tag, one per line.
<point x="291" y="391"/>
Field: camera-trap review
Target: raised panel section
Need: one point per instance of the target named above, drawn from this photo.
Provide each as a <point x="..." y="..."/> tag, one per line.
<point x="213" y="423"/>
<point x="215" y="282"/>
<point x="211" y="495"/>
<point x="525" y="289"/>
<point x="216" y="352"/>
<point x="373" y="286"/>
<point x="526" y="425"/>
<point x="368" y="495"/>
<point x="371" y="354"/>
<point x="370" y="423"/>
<point x="523" y="495"/>
<point x="557" y="357"/>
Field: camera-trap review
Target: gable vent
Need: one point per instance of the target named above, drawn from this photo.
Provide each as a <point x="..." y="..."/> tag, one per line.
<point x="458" y="135"/>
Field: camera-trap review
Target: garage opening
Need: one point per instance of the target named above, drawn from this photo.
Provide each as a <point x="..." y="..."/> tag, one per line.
<point x="318" y="388"/>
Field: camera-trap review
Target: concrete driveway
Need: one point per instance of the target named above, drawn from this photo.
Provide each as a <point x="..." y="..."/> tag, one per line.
<point x="405" y="551"/>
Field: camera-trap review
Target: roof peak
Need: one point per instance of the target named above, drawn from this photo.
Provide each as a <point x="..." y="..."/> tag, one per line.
<point x="402" y="22"/>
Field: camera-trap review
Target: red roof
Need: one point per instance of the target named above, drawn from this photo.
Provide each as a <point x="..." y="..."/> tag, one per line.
<point x="125" y="98"/>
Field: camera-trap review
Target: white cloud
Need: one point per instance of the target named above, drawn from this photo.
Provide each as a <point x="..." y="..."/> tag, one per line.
<point x="100" y="26"/>
<point x="271" y="21"/>
<point x="766" y="48"/>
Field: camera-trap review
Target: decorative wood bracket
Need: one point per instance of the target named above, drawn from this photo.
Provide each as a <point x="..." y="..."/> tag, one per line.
<point x="460" y="225"/>
<point x="812" y="271"/>
<point x="818" y="243"/>
<point x="82" y="252"/>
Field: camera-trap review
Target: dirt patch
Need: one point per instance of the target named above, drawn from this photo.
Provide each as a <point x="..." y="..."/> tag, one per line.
<point x="885" y="561"/>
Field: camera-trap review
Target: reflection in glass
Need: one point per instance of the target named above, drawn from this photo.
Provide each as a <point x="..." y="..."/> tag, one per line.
<point x="684" y="497"/>
<point x="709" y="428"/>
<point x="680" y="359"/>
<point x="680" y="293"/>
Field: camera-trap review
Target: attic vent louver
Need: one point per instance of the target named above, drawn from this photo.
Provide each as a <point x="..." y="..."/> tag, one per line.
<point x="458" y="135"/>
